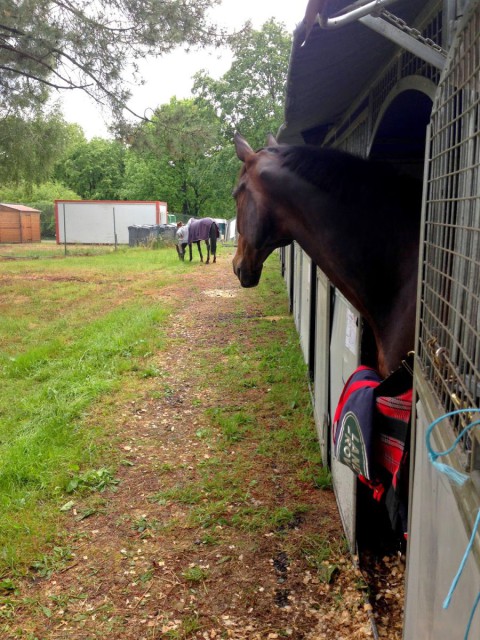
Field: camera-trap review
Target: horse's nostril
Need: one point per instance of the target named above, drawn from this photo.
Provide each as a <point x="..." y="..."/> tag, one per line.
<point x="236" y="267"/>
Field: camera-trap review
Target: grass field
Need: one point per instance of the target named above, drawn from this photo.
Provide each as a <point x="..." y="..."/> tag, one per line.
<point x="160" y="474"/>
<point x="72" y="330"/>
<point x="78" y="334"/>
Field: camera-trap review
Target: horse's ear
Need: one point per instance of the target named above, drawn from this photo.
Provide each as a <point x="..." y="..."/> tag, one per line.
<point x="243" y="149"/>
<point x="271" y="141"/>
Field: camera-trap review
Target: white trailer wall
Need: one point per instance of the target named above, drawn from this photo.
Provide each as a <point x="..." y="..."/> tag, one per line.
<point x="104" y="221"/>
<point x="337" y="354"/>
<point x="297" y="284"/>
<point x="304" y="327"/>
<point x="436" y="548"/>
<point x="322" y="363"/>
<point x="344" y="359"/>
<point x="231" y="230"/>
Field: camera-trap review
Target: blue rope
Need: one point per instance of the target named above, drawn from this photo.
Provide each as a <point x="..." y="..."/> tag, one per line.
<point x="472" y="613"/>
<point x="457" y="477"/>
<point x="453" y="586"/>
<point x="462" y="563"/>
<point x="460" y="479"/>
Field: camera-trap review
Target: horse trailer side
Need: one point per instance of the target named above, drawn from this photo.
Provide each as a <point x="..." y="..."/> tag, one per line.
<point x="104" y="221"/>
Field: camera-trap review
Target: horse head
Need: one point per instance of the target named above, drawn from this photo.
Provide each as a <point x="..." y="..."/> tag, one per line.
<point x="340" y="210"/>
<point x="259" y="231"/>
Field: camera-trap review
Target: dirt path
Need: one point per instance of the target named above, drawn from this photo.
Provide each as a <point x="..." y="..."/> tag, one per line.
<point x="168" y="554"/>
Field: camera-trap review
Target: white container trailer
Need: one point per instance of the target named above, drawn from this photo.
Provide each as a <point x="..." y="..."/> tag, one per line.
<point x="104" y="221"/>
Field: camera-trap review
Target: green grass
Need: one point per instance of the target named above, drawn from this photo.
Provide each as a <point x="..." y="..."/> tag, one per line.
<point x="195" y="574"/>
<point x="72" y="332"/>
<point x="274" y="428"/>
<point x="234" y="426"/>
<point x="321" y="553"/>
<point x="78" y="335"/>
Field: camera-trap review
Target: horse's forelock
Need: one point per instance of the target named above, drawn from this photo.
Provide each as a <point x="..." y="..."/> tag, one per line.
<point x="274" y="150"/>
<point x="241" y="185"/>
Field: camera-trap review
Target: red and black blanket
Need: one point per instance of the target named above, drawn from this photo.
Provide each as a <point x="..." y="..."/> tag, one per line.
<point x="371" y="433"/>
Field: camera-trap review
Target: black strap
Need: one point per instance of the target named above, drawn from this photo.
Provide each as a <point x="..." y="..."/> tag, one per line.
<point x="399" y="381"/>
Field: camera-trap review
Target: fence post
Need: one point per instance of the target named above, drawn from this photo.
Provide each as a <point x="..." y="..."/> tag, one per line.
<point x="64" y="231"/>
<point x="114" y="229"/>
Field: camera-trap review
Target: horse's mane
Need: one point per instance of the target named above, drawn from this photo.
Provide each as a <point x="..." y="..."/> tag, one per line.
<point x="345" y="175"/>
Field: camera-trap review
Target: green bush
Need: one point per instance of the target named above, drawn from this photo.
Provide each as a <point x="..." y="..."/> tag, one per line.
<point x="41" y="197"/>
<point x="47" y="217"/>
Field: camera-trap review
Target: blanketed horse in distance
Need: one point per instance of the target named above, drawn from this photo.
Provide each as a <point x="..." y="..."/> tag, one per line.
<point x="194" y="232"/>
<point x="358" y="220"/>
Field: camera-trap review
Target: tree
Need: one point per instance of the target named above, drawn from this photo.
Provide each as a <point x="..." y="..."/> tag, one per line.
<point x="61" y="44"/>
<point x="179" y="142"/>
<point x="29" y="148"/>
<point x="46" y="192"/>
<point x="186" y="150"/>
<point x="148" y="177"/>
<point x="144" y="178"/>
<point x="39" y="197"/>
<point x="218" y="179"/>
<point x="94" y="169"/>
<point x="250" y="95"/>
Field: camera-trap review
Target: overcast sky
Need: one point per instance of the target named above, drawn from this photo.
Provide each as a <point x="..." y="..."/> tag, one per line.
<point x="171" y="75"/>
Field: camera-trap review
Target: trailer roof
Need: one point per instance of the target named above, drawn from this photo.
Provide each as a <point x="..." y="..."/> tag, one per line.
<point x="332" y="68"/>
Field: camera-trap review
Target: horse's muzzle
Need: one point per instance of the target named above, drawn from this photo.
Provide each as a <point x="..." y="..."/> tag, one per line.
<point x="247" y="278"/>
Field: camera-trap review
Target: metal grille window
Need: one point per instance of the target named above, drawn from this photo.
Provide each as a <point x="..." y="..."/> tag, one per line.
<point x="357" y="140"/>
<point x="449" y="330"/>
<point x="404" y="64"/>
<point x="411" y="65"/>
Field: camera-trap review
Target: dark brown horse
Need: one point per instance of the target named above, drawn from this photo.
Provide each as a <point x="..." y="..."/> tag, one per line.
<point x="358" y="220"/>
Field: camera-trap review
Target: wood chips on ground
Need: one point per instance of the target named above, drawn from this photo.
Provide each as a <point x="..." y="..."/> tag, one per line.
<point x="139" y="570"/>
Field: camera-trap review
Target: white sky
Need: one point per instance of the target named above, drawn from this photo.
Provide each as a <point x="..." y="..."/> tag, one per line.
<point x="171" y="75"/>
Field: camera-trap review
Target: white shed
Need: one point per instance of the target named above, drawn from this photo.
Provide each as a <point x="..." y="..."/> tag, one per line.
<point x="104" y="221"/>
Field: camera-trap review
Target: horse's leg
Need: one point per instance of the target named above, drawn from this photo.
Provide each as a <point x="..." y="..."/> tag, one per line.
<point x="190" y="250"/>
<point x="200" y="250"/>
<point x="213" y="240"/>
<point x="208" y="250"/>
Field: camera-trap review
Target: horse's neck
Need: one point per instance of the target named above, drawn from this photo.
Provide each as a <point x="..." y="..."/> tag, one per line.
<point x="371" y="269"/>
<point x="331" y="248"/>
<point x="397" y="337"/>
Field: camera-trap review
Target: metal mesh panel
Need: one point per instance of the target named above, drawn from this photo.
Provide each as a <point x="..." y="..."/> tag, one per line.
<point x="449" y="345"/>
<point x="357" y="140"/>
